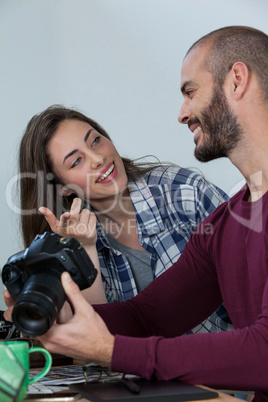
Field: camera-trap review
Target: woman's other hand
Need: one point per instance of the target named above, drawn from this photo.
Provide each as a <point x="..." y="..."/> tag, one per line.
<point x="9" y="302"/>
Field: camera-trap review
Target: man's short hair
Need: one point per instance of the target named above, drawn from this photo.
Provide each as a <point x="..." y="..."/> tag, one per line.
<point x="236" y="43"/>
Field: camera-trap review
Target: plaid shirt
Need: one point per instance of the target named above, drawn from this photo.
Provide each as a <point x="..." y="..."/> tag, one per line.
<point x="169" y="203"/>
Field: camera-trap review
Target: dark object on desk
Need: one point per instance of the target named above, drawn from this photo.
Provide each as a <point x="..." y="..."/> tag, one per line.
<point x="131" y="386"/>
<point x="7" y="329"/>
<point x="37" y="360"/>
<point x="153" y="391"/>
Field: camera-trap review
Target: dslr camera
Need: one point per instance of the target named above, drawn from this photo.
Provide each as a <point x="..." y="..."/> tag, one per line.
<point x="32" y="277"/>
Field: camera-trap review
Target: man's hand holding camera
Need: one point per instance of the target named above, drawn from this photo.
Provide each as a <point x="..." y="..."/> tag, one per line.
<point x="62" y="337"/>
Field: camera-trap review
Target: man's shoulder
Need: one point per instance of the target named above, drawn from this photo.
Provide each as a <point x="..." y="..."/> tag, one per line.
<point x="224" y="210"/>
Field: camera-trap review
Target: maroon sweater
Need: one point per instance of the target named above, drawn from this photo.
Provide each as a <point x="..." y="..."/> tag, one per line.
<point x="225" y="260"/>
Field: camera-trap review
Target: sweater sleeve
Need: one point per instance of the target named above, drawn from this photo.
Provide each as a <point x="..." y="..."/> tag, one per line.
<point x="235" y="359"/>
<point x="148" y="329"/>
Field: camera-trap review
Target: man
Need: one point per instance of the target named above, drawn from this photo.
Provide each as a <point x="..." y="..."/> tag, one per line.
<point x="224" y="82"/>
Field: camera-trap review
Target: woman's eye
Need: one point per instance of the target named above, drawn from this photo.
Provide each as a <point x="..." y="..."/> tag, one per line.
<point x="76" y="162"/>
<point x="95" y="141"/>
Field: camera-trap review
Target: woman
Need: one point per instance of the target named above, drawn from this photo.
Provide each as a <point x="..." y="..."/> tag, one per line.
<point x="144" y="213"/>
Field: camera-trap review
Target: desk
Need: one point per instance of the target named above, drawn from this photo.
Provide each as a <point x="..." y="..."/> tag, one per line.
<point x="222" y="396"/>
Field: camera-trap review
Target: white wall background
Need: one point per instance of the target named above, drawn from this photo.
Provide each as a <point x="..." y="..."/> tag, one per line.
<point x="119" y="62"/>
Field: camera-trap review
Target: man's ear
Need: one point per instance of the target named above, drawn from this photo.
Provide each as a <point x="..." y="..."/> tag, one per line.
<point x="64" y="191"/>
<point x="240" y="79"/>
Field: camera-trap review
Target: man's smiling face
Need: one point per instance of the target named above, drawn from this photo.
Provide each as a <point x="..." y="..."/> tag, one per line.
<point x="205" y="109"/>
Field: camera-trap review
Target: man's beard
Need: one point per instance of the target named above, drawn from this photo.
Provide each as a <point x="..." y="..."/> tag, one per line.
<point x="221" y="131"/>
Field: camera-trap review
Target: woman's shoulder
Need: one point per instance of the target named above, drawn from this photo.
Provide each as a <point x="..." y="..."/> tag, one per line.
<point x="172" y="173"/>
<point x="185" y="179"/>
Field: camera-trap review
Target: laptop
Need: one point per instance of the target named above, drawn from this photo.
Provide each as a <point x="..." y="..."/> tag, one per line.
<point x="148" y="391"/>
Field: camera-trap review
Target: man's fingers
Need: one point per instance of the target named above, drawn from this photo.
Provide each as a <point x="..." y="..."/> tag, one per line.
<point x="65" y="314"/>
<point x="72" y="291"/>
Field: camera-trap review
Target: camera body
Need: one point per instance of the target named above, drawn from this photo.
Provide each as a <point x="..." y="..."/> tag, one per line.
<point x="33" y="278"/>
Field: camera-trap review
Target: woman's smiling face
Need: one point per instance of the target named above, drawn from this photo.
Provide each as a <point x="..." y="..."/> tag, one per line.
<point x="86" y="162"/>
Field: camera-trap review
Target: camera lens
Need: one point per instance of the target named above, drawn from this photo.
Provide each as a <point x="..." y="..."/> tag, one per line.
<point x="39" y="303"/>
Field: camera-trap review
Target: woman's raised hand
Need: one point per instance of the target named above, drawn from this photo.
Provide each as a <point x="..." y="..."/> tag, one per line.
<point x="76" y="223"/>
<point x="82" y="226"/>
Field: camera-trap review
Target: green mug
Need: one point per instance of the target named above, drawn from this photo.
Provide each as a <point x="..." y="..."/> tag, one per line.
<point x="14" y="369"/>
